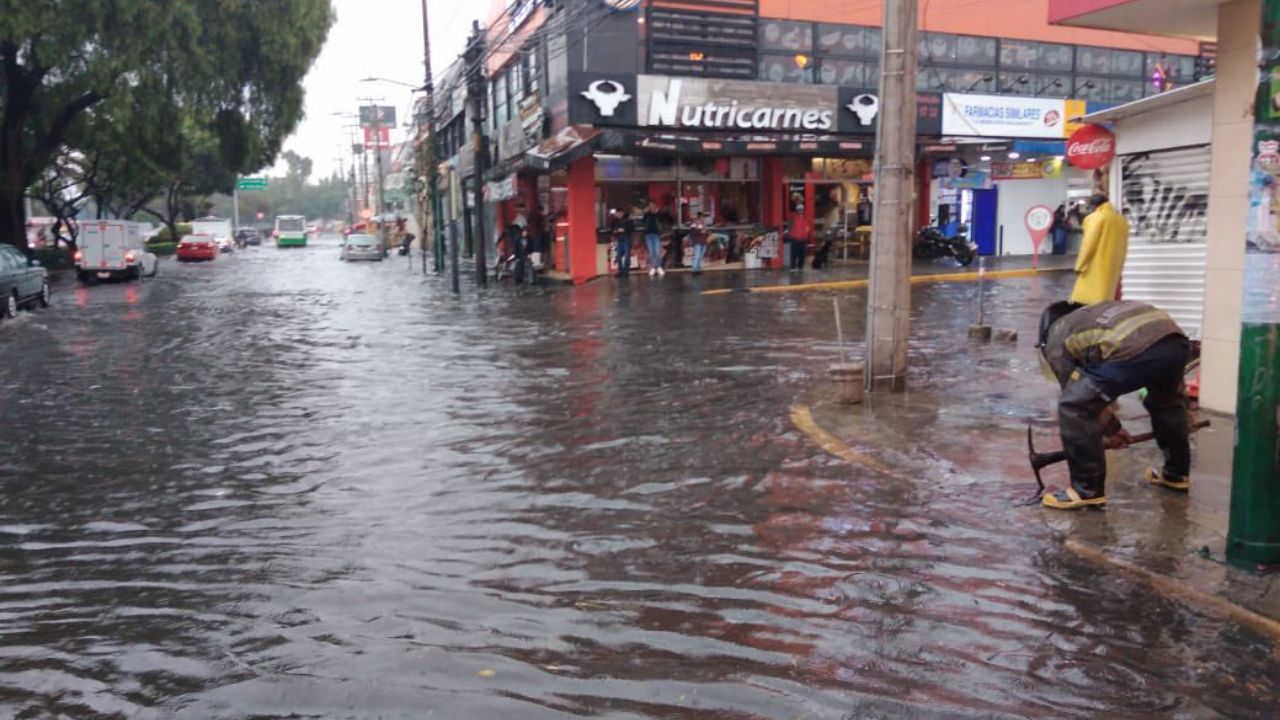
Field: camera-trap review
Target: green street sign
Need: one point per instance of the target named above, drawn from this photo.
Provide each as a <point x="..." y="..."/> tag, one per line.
<point x="251" y="183"/>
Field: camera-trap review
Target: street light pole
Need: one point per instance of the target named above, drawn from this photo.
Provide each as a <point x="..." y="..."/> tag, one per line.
<point x="475" y="93"/>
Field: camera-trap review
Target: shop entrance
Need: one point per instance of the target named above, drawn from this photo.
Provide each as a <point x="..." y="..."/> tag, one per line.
<point x="839" y="211"/>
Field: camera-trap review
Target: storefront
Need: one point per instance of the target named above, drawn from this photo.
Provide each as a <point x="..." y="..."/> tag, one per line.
<point x="739" y="154"/>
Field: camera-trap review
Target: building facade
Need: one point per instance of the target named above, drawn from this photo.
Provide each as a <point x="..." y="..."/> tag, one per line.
<point x="744" y="111"/>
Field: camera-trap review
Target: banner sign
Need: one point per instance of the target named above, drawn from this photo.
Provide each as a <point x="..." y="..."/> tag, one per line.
<point x="1003" y="116"/>
<point x="382" y="115"/>
<point x="377" y="137"/>
<point x="1039" y="219"/>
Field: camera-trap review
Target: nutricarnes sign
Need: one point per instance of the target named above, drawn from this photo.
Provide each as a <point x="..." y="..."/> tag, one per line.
<point x="709" y="104"/>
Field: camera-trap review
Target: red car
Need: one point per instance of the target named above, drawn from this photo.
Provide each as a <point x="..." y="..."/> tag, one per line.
<point x="197" y="247"/>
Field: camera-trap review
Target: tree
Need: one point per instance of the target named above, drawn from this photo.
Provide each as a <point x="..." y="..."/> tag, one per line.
<point x="234" y="68"/>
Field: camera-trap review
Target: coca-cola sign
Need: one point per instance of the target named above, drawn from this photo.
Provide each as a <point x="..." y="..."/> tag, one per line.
<point x="1091" y="147"/>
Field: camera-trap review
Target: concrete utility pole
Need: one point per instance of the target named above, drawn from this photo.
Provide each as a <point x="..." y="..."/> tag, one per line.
<point x="429" y="158"/>
<point x="1253" y="532"/>
<point x="889" y="306"/>
<point x="475" y="99"/>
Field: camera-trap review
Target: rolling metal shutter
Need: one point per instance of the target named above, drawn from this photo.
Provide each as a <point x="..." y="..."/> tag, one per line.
<point x="1165" y="197"/>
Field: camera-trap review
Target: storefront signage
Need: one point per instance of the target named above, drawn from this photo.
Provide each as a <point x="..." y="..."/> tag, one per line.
<point x="1003" y="116"/>
<point x="1039" y="219"/>
<point x="1091" y="147"/>
<point x="499" y="190"/>
<point x="660" y="101"/>
<point x="1048" y="169"/>
<point x="733" y="105"/>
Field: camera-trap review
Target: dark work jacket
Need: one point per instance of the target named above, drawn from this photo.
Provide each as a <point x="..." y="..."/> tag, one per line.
<point x="1113" y="331"/>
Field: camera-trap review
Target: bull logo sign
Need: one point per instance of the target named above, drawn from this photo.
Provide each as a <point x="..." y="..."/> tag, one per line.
<point x="606" y="95"/>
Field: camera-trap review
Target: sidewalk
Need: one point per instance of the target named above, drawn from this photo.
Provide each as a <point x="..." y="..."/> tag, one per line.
<point x="964" y="421"/>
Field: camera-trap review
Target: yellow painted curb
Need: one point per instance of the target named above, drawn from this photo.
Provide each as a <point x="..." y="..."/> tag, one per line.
<point x="802" y="418"/>
<point x="1178" y="590"/>
<point x="853" y="284"/>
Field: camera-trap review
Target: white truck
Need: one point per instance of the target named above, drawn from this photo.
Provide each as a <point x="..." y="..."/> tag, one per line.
<point x="113" y="249"/>
<point x="217" y="228"/>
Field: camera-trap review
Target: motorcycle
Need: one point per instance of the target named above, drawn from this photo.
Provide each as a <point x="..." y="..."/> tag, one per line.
<point x="931" y="244"/>
<point x="405" y="243"/>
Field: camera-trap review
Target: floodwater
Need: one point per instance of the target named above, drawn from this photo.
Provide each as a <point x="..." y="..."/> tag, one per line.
<point x="280" y="486"/>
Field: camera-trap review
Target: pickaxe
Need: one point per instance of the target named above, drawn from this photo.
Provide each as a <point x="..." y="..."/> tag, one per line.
<point x="1040" y="461"/>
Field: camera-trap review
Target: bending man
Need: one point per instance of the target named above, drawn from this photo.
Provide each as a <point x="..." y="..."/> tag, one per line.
<point x="1098" y="353"/>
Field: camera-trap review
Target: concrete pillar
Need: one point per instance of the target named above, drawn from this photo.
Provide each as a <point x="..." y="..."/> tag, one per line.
<point x="581" y="207"/>
<point x="1237" y="81"/>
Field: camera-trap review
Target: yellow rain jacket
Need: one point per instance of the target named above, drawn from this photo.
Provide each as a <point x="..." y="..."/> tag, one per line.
<point x="1102" y="254"/>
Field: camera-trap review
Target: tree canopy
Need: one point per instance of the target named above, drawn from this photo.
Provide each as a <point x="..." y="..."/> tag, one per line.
<point x="165" y="97"/>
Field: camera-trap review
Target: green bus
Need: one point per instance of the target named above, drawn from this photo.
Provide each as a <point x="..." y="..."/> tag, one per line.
<point x="291" y="231"/>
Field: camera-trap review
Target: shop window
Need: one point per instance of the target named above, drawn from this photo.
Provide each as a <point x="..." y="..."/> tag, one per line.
<point x="1092" y="88"/>
<point x="1036" y="56"/>
<point x="1013" y="82"/>
<point x="785" y="69"/>
<point x="850" y="73"/>
<point x="975" y="50"/>
<point x="936" y="47"/>
<point x="849" y="40"/>
<point x="786" y="35"/>
<point x="1121" y="91"/>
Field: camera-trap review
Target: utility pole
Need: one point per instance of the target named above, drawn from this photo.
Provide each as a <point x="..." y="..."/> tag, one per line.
<point x="429" y="157"/>
<point x="475" y="96"/>
<point x="889" y="309"/>
<point x="1253" y="530"/>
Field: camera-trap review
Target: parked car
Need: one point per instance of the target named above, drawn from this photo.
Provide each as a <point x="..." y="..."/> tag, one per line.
<point x="22" y="281"/>
<point x="197" y="247"/>
<point x="114" y="250"/>
<point x="361" y="247"/>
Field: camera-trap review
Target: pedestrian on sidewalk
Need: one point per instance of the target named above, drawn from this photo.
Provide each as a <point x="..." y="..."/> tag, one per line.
<point x="1102" y="253"/>
<point x="653" y="238"/>
<point x="1097" y="354"/>
<point x="1058" y="230"/>
<point x="797" y="237"/>
<point x="698" y="236"/>
<point x="622" y="228"/>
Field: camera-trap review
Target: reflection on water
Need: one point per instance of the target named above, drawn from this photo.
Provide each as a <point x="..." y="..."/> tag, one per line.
<point x="281" y="486"/>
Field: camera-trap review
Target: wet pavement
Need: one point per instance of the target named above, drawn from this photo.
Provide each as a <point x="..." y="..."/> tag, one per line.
<point x="281" y="486"/>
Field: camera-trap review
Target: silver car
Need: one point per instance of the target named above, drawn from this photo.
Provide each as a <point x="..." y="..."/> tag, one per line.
<point x="361" y="247"/>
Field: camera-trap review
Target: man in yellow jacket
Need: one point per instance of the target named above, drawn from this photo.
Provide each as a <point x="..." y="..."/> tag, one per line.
<point x="1102" y="253"/>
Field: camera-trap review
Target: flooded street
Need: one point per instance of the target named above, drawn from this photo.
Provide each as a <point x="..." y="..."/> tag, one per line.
<point x="280" y="486"/>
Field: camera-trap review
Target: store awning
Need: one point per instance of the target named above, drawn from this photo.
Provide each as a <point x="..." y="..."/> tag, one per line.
<point x="1155" y="102"/>
<point x="1196" y="19"/>
<point x="562" y="149"/>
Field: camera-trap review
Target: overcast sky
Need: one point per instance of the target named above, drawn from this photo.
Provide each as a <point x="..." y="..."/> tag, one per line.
<point x="381" y="38"/>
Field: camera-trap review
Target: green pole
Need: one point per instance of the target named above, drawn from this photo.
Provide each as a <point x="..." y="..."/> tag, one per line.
<point x="1253" y="535"/>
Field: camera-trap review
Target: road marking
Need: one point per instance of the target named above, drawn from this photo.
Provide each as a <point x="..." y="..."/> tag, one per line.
<point x="1178" y="590"/>
<point x="853" y="284"/>
<point x="802" y="418"/>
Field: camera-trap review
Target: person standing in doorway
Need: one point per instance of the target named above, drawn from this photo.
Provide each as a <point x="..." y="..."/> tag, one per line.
<point x="797" y="236"/>
<point x="1102" y="253"/>
<point x="1058" y="230"/>
<point x="653" y="238"/>
<point x="622" y="227"/>
<point x="698" y="242"/>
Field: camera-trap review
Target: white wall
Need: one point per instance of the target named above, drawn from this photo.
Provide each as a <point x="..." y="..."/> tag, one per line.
<point x="1014" y="199"/>
<point x="1182" y="125"/>
<point x="1237" y="80"/>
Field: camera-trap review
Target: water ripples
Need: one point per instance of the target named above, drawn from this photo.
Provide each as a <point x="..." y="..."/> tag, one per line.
<point x="281" y="486"/>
